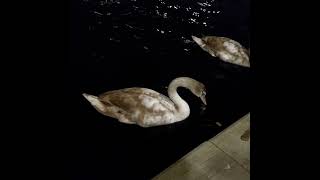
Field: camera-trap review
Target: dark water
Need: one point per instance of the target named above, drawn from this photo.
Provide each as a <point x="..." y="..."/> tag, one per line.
<point x="146" y="43"/>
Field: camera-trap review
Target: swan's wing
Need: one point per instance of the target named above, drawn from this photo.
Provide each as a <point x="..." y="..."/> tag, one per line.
<point x="164" y="100"/>
<point x="233" y="42"/>
<point x="138" y="102"/>
<point x="238" y="45"/>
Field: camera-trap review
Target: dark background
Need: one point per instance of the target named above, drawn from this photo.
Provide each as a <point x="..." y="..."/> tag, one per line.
<point x="117" y="45"/>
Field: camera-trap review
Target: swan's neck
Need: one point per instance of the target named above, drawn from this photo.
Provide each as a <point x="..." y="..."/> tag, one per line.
<point x="182" y="107"/>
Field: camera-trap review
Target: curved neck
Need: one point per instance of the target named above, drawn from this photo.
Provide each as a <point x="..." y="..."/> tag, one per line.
<point x="182" y="107"/>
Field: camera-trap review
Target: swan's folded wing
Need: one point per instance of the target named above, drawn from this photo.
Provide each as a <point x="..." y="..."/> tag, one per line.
<point x="142" y="99"/>
<point x="236" y="43"/>
<point x="120" y="99"/>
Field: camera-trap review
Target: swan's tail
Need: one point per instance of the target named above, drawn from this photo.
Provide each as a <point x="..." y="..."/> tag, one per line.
<point x="94" y="101"/>
<point x="89" y="97"/>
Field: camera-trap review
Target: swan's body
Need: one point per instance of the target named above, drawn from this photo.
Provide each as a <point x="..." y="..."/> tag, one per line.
<point x="224" y="48"/>
<point x="146" y="107"/>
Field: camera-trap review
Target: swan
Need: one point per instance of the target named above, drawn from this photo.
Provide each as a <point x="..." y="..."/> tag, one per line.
<point x="224" y="48"/>
<point x="227" y="50"/>
<point x="146" y="107"/>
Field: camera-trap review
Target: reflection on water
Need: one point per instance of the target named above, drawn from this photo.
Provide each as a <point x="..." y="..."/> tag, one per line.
<point x="124" y="43"/>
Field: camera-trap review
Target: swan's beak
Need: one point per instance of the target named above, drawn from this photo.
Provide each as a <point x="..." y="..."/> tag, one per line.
<point x="203" y="99"/>
<point x="199" y="41"/>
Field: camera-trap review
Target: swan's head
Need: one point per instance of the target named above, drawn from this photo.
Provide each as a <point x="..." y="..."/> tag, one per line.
<point x="200" y="91"/>
<point x="196" y="87"/>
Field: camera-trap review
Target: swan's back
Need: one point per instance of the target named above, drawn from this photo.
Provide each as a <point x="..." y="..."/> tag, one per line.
<point x="228" y="50"/>
<point x="142" y="106"/>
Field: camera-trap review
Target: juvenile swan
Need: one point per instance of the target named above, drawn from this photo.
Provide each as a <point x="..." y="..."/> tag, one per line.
<point x="146" y="107"/>
<point x="224" y="48"/>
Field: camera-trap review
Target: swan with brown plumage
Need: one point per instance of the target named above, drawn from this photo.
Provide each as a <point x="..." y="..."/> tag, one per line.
<point x="146" y="107"/>
<point x="225" y="49"/>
